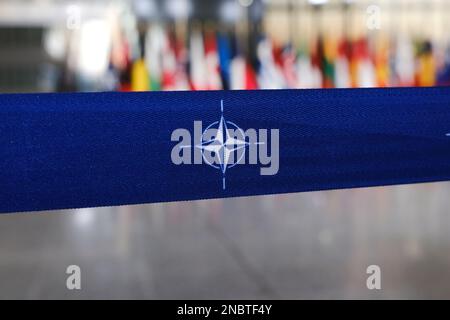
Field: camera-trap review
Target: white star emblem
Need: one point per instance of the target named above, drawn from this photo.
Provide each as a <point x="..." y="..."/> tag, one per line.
<point x="223" y="145"/>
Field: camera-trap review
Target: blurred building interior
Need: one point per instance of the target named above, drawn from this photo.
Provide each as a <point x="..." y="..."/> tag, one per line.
<point x="142" y="45"/>
<point x="310" y="245"/>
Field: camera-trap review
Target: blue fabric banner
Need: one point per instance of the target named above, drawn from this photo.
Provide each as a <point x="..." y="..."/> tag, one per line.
<point x="101" y="149"/>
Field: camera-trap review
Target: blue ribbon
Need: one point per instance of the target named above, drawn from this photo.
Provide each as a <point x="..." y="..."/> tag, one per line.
<point x="101" y="149"/>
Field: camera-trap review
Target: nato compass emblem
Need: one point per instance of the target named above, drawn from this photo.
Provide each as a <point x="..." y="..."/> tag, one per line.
<point x="223" y="145"/>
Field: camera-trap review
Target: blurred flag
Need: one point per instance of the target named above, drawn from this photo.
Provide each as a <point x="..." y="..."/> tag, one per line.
<point x="169" y="66"/>
<point x="404" y="62"/>
<point x="238" y="73"/>
<point x="363" y="70"/>
<point x="212" y="62"/>
<point x="382" y="62"/>
<point x="173" y="69"/>
<point x="139" y="76"/>
<point x="289" y="66"/>
<point x="342" y="67"/>
<point x="181" y="75"/>
<point x="328" y="52"/>
<point x="225" y="57"/>
<point x="242" y="75"/>
<point x="198" y="67"/>
<point x="443" y="77"/>
<point x="309" y="76"/>
<point x="316" y="62"/>
<point x="154" y="45"/>
<point x="426" y="69"/>
<point x="125" y="70"/>
<point x="270" y="75"/>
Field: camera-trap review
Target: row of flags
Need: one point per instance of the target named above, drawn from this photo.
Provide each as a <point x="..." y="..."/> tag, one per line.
<point x="215" y="61"/>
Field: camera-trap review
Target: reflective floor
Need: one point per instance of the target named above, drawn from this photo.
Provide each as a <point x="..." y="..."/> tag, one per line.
<point x="309" y="245"/>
